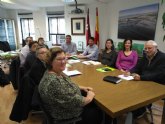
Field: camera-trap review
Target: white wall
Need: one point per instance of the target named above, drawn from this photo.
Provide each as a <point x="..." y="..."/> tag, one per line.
<point x="40" y="24"/>
<point x="3" y="13"/>
<point x="103" y="22"/>
<point x="108" y="20"/>
<point x="116" y="6"/>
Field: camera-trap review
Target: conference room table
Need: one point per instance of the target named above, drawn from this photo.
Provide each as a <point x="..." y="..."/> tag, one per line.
<point x="121" y="98"/>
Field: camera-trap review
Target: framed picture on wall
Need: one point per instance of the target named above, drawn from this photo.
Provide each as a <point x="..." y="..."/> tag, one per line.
<point x="138" y="23"/>
<point x="78" y="26"/>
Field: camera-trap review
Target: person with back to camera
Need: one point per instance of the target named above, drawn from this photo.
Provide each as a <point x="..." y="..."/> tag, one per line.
<point x="91" y="51"/>
<point x="62" y="97"/>
<point x="109" y="55"/>
<point x="127" y="58"/>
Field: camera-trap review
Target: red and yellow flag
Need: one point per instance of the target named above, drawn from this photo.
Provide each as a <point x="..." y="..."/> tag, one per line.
<point x="97" y="29"/>
<point x="88" y="32"/>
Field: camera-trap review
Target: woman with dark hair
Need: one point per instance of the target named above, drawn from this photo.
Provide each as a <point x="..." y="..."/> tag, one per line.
<point x="61" y="97"/>
<point x="109" y="55"/>
<point x="127" y="58"/>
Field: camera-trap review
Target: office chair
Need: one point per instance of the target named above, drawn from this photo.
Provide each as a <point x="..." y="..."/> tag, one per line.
<point x="150" y="111"/>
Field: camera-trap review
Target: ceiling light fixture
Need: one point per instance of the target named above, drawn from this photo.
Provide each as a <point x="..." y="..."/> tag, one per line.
<point x="7" y="1"/>
<point x="68" y="1"/>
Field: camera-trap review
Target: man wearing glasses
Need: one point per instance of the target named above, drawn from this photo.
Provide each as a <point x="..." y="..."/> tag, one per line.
<point x="150" y="67"/>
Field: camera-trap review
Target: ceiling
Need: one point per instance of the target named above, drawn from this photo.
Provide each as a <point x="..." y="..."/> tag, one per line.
<point x="36" y="4"/>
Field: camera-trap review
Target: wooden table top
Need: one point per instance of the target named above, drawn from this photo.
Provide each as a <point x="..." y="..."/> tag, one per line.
<point x="117" y="99"/>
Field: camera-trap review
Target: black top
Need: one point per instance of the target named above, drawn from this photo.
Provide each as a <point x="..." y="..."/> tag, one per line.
<point x="3" y="78"/>
<point x="109" y="58"/>
<point x="37" y="71"/>
<point x="30" y="59"/>
<point x="153" y="70"/>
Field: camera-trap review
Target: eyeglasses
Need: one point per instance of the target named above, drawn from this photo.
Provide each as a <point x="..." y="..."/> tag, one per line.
<point x="42" y="52"/>
<point x="61" y="59"/>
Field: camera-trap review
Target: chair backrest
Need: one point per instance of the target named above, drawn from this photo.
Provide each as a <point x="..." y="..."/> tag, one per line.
<point x="139" y="48"/>
<point x="4" y="46"/>
<point x="119" y="46"/>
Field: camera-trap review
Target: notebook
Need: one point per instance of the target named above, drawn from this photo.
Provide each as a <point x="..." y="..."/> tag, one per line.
<point x="112" y="79"/>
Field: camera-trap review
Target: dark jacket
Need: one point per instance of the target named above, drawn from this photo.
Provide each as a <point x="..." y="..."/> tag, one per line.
<point x="37" y="71"/>
<point x="30" y="59"/>
<point x="3" y="78"/>
<point x="14" y="72"/>
<point x="22" y="104"/>
<point x="26" y="94"/>
<point x="153" y="71"/>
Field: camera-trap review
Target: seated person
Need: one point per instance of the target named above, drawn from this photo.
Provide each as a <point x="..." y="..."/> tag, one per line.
<point x="69" y="47"/>
<point x="127" y="58"/>
<point x="25" y="50"/>
<point x="109" y="55"/>
<point x="62" y="97"/>
<point x="91" y="51"/>
<point x="31" y="57"/>
<point x="41" y="42"/>
<point x="151" y="67"/>
<point x="40" y="64"/>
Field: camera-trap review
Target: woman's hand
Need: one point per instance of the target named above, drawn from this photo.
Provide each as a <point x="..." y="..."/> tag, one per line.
<point x="127" y="73"/>
<point x="89" y="97"/>
<point x="86" y="89"/>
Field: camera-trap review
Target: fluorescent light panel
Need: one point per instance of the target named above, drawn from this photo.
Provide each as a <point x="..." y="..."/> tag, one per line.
<point x="68" y="1"/>
<point x="7" y="1"/>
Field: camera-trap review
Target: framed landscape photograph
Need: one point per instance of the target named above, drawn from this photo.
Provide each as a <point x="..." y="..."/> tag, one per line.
<point x="138" y="23"/>
<point x="78" y="26"/>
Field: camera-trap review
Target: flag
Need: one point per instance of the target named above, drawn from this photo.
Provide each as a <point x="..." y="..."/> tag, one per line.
<point x="97" y="29"/>
<point x="88" y="32"/>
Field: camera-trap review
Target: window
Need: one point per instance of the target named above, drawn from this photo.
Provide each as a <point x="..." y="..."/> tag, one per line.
<point x="27" y="27"/>
<point x="56" y="29"/>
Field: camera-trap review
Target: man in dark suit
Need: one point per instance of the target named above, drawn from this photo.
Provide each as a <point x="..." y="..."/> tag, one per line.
<point x="27" y="98"/>
<point x="39" y="66"/>
<point x="150" y="67"/>
<point x="31" y="57"/>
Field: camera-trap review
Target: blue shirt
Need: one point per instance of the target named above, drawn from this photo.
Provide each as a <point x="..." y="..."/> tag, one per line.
<point x="91" y="52"/>
<point x="70" y="48"/>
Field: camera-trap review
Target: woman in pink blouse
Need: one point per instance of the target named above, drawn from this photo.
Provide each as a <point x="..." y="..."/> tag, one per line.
<point x="127" y="58"/>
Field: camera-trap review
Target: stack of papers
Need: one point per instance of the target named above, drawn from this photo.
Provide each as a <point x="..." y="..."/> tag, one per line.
<point x="91" y="63"/>
<point x="126" y="77"/>
<point x="71" y="61"/>
<point x="71" y="73"/>
<point x="74" y="57"/>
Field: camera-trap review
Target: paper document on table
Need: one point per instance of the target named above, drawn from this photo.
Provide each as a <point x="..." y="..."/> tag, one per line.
<point x="71" y="73"/>
<point x="91" y="63"/>
<point x="126" y="77"/>
<point x="71" y="61"/>
<point x="73" y="57"/>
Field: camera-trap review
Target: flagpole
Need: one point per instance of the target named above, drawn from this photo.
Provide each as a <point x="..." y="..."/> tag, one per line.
<point x="97" y="29"/>
<point x="88" y="32"/>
